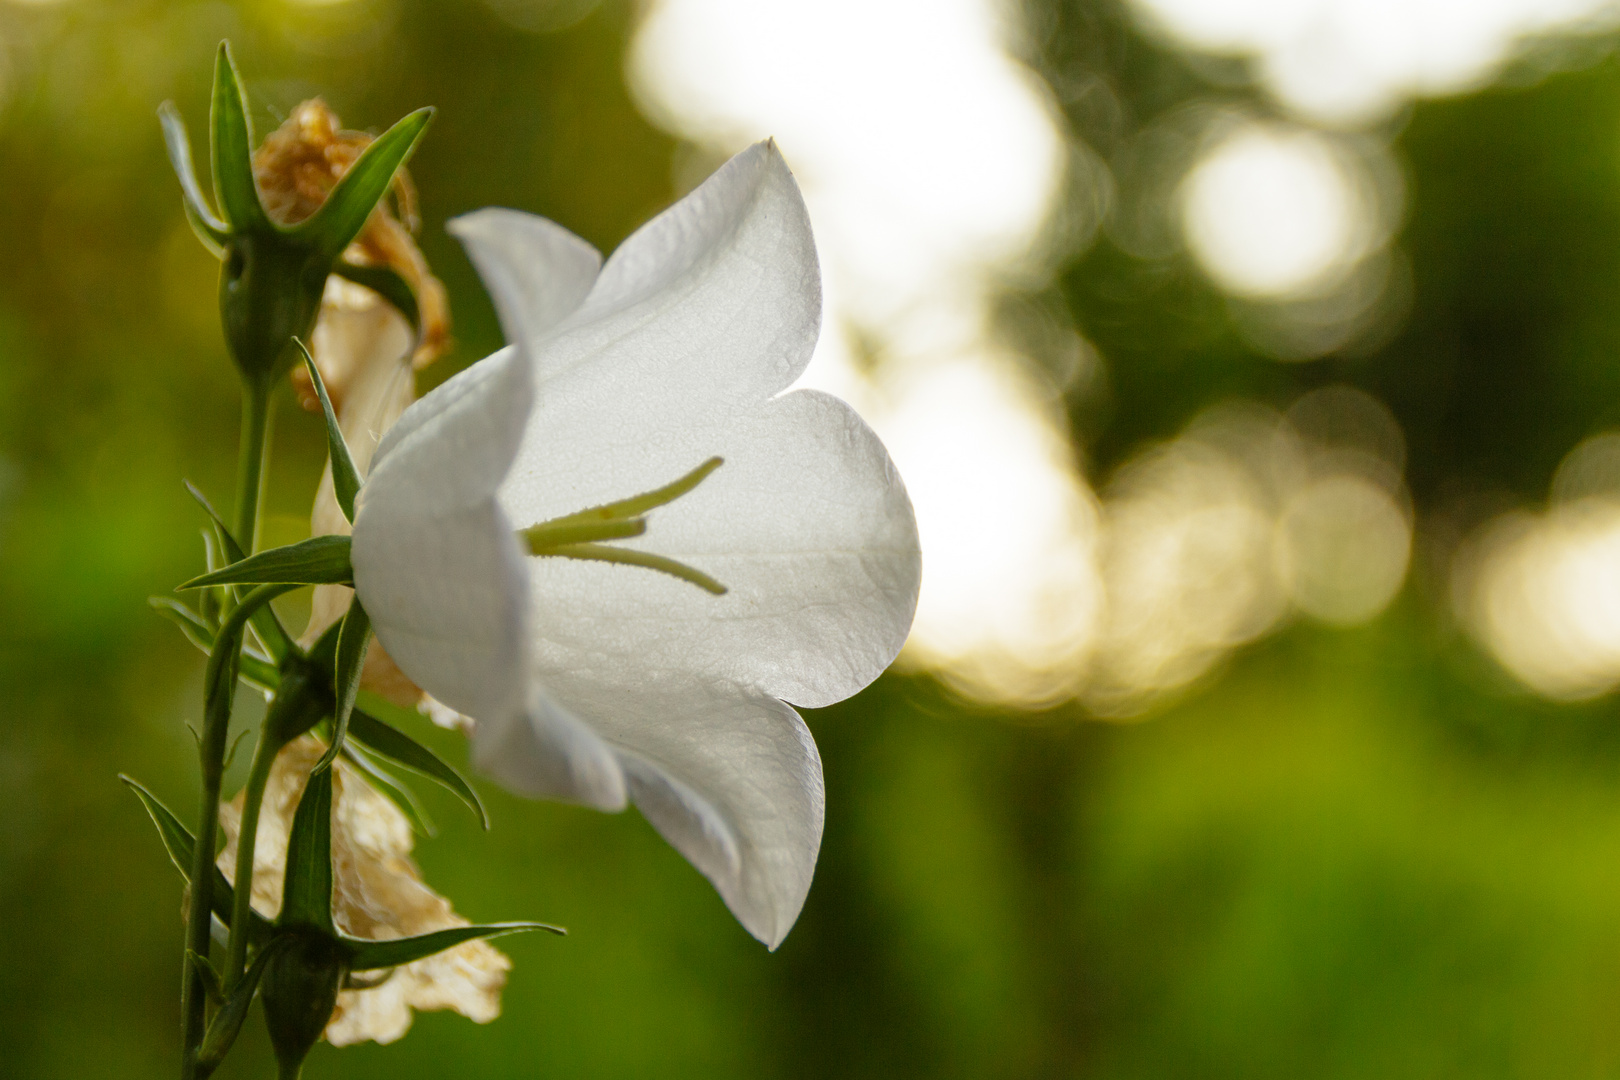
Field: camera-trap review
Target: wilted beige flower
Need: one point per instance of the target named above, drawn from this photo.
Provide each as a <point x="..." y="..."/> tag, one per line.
<point x="296" y="168"/>
<point x="365" y="350"/>
<point x="377" y="894"/>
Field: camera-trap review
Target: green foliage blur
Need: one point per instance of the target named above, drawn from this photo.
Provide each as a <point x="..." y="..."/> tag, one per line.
<point x="1350" y="853"/>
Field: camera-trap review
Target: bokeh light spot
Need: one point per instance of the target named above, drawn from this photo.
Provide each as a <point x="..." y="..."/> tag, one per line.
<point x="1270" y="212"/>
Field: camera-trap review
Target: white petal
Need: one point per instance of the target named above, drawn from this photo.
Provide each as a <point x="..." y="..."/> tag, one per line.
<point x="546" y="752"/>
<point x="806" y="523"/>
<point x="719" y="295"/>
<point x="537" y="272"/>
<point x="728" y="775"/>
<point x="442" y="574"/>
<point x="436" y="562"/>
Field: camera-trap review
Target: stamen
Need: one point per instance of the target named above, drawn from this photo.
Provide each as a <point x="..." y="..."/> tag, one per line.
<point x="640" y="504"/>
<point x="630" y="557"/>
<point x="576" y="535"/>
<point x="543" y="537"/>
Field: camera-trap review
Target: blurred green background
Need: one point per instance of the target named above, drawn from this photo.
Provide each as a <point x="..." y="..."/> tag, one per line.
<point x="1347" y="852"/>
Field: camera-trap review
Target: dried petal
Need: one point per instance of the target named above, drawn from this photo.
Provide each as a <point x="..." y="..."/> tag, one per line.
<point x="378" y="894"/>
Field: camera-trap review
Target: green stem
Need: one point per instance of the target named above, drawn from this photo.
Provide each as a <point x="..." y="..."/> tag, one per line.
<point x="251" y="476"/>
<point x="300" y="703"/>
<point x="264" y="756"/>
<point x="219" y="693"/>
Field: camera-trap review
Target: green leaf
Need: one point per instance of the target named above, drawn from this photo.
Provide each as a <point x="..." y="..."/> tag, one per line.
<point x="210" y="229"/>
<point x="191" y="624"/>
<point x="227" y="1023"/>
<point x="266" y="623"/>
<point x="199" y="229"/>
<point x="320" y="560"/>
<point x="397" y="746"/>
<point x="351" y="659"/>
<point x="257" y="670"/>
<point x="238" y="195"/>
<point x="386" y="284"/>
<point x="210" y="977"/>
<point x="180" y="845"/>
<point x="343" y="214"/>
<point x="392" y="787"/>
<point x="371" y="955"/>
<point x="345" y="477"/>
<point x="306" y="894"/>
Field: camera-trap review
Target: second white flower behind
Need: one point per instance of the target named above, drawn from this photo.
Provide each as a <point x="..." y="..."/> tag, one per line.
<point x="599" y="683"/>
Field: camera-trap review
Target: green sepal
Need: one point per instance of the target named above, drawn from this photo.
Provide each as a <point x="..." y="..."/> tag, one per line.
<point x="306" y="894"/>
<point x="232" y="149"/>
<point x="199" y="229"/>
<point x="210" y="229"/>
<point x="266" y="623"/>
<point x="227" y="1023"/>
<point x="387" y="284"/>
<point x="191" y="624"/>
<point x="351" y="659"/>
<point x="210" y="978"/>
<point x="320" y="560"/>
<point x="397" y="746"/>
<point x="345" y="477"/>
<point x="181" y="846"/>
<point x="371" y="955"/>
<point x="257" y="670"/>
<point x="391" y="787"/>
<point x="340" y="218"/>
<point x="299" y="992"/>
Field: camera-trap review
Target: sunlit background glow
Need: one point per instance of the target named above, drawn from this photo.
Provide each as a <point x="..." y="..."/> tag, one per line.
<point x="1270" y="212"/>
<point x="1542" y="591"/>
<point x="1356" y="61"/>
<point x="932" y="162"/>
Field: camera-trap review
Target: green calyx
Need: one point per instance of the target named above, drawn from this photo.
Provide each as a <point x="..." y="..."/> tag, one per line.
<point x="274" y="274"/>
<point x="581" y="535"/>
<point x="314" y="958"/>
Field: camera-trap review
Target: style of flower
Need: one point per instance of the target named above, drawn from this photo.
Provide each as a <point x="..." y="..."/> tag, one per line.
<point x="602" y="683"/>
<point x="377" y="894"/>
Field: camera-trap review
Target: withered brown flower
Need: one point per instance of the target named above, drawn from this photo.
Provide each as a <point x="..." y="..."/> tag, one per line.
<point x="378" y="893"/>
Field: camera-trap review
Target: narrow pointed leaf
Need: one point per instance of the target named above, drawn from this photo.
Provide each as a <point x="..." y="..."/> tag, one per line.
<point x="180" y="845"/>
<point x="386" y="284"/>
<point x="345" y="477"/>
<point x="257" y="670"/>
<point x="233" y="149"/>
<point x="233" y="550"/>
<point x="344" y="213"/>
<point x="371" y="955"/>
<point x="351" y="659"/>
<point x="175" y="137"/>
<point x="210" y="977"/>
<point x="266" y="623"/>
<point x="191" y="624"/>
<point x="392" y="787"/>
<point x="397" y="746"/>
<point x="320" y="560"/>
<point x="306" y="895"/>
<point x="227" y="1023"/>
<point x="204" y="234"/>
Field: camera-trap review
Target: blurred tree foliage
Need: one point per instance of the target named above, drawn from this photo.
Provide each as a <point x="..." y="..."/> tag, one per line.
<point x="1355" y="853"/>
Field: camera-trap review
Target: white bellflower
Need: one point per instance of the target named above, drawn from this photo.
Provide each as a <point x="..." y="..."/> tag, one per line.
<point x="603" y="684"/>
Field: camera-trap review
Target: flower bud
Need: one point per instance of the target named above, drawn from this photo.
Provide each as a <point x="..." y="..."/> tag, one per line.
<point x="300" y="990"/>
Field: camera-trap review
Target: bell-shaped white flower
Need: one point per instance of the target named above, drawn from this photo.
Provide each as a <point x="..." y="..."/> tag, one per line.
<point x="599" y="683"/>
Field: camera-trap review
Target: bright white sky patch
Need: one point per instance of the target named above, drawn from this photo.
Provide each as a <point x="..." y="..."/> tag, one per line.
<point x="1270" y="212"/>
<point x="1353" y="61"/>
